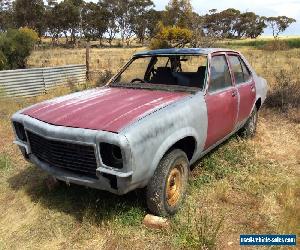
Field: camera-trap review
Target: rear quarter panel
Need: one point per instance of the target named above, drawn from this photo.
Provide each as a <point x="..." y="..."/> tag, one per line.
<point x="261" y="85"/>
<point x="152" y="136"/>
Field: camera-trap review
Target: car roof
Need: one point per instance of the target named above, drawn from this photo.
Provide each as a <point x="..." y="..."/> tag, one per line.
<point x="182" y="51"/>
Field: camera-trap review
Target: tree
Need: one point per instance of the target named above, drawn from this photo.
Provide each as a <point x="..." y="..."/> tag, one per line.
<point x="250" y="25"/>
<point x="198" y="39"/>
<point x="128" y="14"/>
<point x="112" y="29"/>
<point x="68" y="14"/>
<point x="222" y="24"/>
<point x="143" y="18"/>
<point x="152" y="20"/>
<point x="5" y="15"/>
<point x="29" y="13"/>
<point x="178" y="13"/>
<point x="94" y="20"/>
<point x="279" y="24"/>
<point x="212" y="24"/>
<point x="54" y="20"/>
<point x="229" y="19"/>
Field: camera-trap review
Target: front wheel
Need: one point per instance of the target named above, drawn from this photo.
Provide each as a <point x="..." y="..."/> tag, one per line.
<point x="167" y="187"/>
<point x="249" y="128"/>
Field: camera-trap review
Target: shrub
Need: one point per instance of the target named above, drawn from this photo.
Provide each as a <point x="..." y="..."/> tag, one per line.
<point x="275" y="45"/>
<point x="3" y="61"/>
<point x="159" y="44"/>
<point x="285" y="93"/>
<point x="294" y="42"/>
<point x="171" y="36"/>
<point x="104" y="77"/>
<point x="16" y="46"/>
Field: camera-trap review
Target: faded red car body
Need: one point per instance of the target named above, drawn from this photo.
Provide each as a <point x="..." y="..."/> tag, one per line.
<point x="116" y="137"/>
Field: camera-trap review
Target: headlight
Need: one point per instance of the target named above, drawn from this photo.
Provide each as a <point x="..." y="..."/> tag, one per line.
<point x="20" y="131"/>
<point x="111" y="155"/>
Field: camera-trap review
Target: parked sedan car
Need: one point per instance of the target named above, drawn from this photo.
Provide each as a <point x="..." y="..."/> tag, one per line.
<point x="163" y="111"/>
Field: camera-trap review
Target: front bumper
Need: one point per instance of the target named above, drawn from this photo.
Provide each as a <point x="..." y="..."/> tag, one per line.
<point x="109" y="179"/>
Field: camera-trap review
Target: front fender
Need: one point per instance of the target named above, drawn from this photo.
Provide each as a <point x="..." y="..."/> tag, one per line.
<point x="151" y="137"/>
<point x="169" y="142"/>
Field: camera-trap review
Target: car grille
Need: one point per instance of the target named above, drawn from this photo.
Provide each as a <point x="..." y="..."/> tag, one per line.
<point x="69" y="156"/>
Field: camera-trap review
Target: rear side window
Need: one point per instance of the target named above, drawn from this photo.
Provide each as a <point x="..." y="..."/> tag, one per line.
<point x="219" y="74"/>
<point x="247" y="74"/>
<point x="239" y="69"/>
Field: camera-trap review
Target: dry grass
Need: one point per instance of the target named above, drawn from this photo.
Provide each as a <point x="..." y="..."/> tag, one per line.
<point x="241" y="187"/>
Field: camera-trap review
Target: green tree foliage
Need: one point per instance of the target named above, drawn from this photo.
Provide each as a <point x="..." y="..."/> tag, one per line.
<point x="279" y="24"/>
<point x="129" y="15"/>
<point x="152" y="20"/>
<point x="142" y="18"/>
<point x="71" y="11"/>
<point x="178" y="13"/>
<point x="231" y="23"/>
<point x="222" y="24"/>
<point x="15" y="47"/>
<point x="5" y="15"/>
<point x="29" y="13"/>
<point x="94" y="20"/>
<point x="3" y="60"/>
<point x="250" y="25"/>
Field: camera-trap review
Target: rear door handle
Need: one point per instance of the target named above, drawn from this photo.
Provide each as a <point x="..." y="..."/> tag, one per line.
<point x="234" y="93"/>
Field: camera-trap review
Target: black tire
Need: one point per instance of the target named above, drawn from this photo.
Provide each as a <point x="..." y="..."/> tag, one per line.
<point x="167" y="187"/>
<point x="249" y="128"/>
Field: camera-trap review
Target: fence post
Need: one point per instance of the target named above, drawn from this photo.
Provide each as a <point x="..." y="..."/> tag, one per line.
<point x="87" y="60"/>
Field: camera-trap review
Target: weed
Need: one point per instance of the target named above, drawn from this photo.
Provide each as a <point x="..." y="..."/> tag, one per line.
<point x="104" y="77"/>
<point x="5" y="163"/>
<point x="285" y="93"/>
<point x="199" y="229"/>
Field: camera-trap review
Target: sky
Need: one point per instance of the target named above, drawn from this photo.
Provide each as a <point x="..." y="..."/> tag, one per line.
<point x="290" y="8"/>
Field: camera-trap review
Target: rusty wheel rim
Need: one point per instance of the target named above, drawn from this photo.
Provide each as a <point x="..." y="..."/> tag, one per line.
<point x="174" y="186"/>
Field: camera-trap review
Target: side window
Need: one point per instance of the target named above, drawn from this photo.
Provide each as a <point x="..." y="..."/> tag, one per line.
<point x="236" y="68"/>
<point x="162" y="62"/>
<point x="219" y="74"/>
<point x="247" y="74"/>
<point x="239" y="69"/>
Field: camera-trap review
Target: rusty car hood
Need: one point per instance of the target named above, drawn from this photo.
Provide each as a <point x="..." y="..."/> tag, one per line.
<point x="109" y="109"/>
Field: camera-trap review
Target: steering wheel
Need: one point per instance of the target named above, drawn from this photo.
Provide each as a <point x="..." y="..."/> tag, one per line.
<point x="137" y="80"/>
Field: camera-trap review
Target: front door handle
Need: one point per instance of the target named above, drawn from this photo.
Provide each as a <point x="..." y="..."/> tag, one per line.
<point x="234" y="93"/>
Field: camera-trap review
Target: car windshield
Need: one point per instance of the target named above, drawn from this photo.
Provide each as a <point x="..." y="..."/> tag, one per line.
<point x="181" y="72"/>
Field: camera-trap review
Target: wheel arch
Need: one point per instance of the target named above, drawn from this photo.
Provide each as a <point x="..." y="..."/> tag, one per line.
<point x="179" y="140"/>
<point x="258" y="103"/>
<point x="187" y="145"/>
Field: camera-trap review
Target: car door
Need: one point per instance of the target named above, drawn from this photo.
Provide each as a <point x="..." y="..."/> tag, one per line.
<point x="221" y="100"/>
<point x="245" y="85"/>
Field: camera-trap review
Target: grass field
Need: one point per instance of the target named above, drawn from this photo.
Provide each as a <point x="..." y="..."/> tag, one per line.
<point x="244" y="186"/>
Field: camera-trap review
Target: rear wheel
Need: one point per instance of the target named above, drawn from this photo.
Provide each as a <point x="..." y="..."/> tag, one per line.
<point x="249" y="128"/>
<point x="167" y="187"/>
